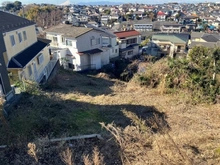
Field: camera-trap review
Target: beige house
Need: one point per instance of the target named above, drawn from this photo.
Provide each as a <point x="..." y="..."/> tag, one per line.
<point x="26" y="56"/>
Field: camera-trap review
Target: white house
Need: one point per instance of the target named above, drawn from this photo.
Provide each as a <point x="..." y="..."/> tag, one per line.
<point x="129" y="42"/>
<point x="81" y="48"/>
<point x="161" y="16"/>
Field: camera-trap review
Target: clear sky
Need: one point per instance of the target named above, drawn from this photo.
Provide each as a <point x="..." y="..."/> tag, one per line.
<point x="127" y="1"/>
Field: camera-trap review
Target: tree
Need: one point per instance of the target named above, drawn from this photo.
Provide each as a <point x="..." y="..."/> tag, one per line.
<point x="151" y="16"/>
<point x="144" y="43"/>
<point x="107" y="11"/>
<point x="9" y="7"/>
<point x="216" y="62"/>
<point x="17" y="5"/>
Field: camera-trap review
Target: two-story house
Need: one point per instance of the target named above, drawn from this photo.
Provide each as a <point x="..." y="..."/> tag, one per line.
<point x="129" y="42"/>
<point x="143" y="25"/>
<point x="171" y="28"/>
<point x="161" y="16"/>
<point x="26" y="56"/>
<point x="81" y="48"/>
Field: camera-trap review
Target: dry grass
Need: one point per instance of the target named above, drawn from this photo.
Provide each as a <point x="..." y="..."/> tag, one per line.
<point x="67" y="156"/>
<point x="194" y="129"/>
<point x="191" y="134"/>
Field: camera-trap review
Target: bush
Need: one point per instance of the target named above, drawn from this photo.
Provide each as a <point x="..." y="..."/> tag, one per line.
<point x="198" y="74"/>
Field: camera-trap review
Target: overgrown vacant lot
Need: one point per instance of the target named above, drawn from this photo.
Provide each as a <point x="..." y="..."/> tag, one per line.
<point x="75" y="104"/>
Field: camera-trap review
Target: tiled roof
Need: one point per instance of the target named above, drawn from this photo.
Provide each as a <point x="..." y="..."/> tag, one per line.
<point x="23" y="58"/>
<point x="68" y="30"/>
<point x="179" y="38"/>
<point x="161" y="13"/>
<point x="124" y="34"/>
<point x="9" y="22"/>
<point x="210" y="38"/>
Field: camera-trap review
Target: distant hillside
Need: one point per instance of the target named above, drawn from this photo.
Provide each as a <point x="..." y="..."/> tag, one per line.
<point x="100" y="3"/>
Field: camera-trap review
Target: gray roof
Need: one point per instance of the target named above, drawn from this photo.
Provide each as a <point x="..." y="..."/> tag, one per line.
<point x="68" y="30"/>
<point x="9" y="22"/>
<point x="196" y="35"/>
<point x="158" y="24"/>
<point x="209" y="38"/>
<point x="205" y="44"/>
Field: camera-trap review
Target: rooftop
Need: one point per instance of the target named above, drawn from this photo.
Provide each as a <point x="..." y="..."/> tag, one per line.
<point x="68" y="30"/>
<point x="23" y="58"/>
<point x="129" y="33"/>
<point x="9" y="22"/>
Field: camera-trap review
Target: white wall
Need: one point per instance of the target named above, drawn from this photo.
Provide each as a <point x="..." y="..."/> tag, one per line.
<point x="84" y="41"/>
<point x="96" y="60"/>
<point x="105" y="56"/>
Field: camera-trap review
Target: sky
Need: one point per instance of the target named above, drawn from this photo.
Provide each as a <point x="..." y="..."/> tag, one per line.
<point x="127" y="1"/>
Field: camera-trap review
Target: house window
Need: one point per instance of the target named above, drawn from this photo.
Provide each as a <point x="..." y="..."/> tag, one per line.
<point x="54" y="39"/>
<point x="130" y="52"/>
<point x="116" y="51"/>
<point x="68" y="42"/>
<point x="71" y="66"/>
<point x="132" y="41"/>
<point x="97" y="41"/>
<point x="93" y="41"/>
<point x="24" y="35"/>
<point x="40" y="59"/>
<point x="12" y="38"/>
<point x="29" y="70"/>
<point x="63" y="40"/>
<point x="19" y="37"/>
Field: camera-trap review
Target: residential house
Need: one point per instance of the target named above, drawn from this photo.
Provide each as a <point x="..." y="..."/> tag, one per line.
<point x="129" y="42"/>
<point x="82" y="48"/>
<point x="105" y="19"/>
<point x="161" y="16"/>
<point x="143" y="25"/>
<point x="171" y="28"/>
<point x="26" y="56"/>
<point x="204" y="39"/>
<point x="169" y="44"/>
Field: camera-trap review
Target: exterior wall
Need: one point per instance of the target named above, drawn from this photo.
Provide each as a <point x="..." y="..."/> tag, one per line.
<point x="18" y="47"/>
<point x="84" y="61"/>
<point x="39" y="67"/>
<point x="3" y="70"/>
<point x="170" y="29"/>
<point x="105" y="55"/>
<point x="114" y="52"/>
<point x="143" y="27"/>
<point x="84" y="42"/>
<point x="95" y="59"/>
<point x="161" y="17"/>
